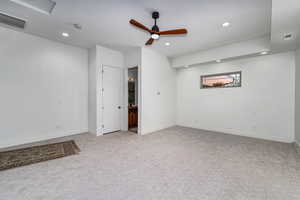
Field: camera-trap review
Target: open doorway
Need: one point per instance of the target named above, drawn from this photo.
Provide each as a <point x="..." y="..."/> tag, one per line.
<point x="133" y="99"/>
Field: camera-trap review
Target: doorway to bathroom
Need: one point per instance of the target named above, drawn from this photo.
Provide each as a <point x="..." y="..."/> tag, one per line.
<point x="133" y="99"/>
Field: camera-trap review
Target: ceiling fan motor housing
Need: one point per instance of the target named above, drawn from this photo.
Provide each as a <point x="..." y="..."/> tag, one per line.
<point x="155" y="28"/>
<point x="155" y="15"/>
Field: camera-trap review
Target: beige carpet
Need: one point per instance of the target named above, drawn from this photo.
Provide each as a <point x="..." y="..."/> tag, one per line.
<point x="173" y="164"/>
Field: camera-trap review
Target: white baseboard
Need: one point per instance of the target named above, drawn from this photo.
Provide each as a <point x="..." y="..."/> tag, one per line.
<point x="37" y="138"/>
<point x="245" y="134"/>
<point x="99" y="132"/>
<point x="156" y="130"/>
<point x="297" y="146"/>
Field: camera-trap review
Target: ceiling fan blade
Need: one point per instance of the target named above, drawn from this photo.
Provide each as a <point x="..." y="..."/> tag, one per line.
<point x="150" y="41"/>
<point x="139" y="25"/>
<point x="173" y="32"/>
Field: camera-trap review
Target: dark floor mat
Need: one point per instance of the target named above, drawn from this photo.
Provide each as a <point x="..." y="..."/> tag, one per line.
<point x="35" y="154"/>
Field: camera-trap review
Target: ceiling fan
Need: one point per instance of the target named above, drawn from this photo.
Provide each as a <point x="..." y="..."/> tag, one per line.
<point x="154" y="32"/>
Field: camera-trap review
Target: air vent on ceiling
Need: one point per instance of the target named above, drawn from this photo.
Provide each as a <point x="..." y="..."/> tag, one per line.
<point x="43" y="6"/>
<point x="288" y="36"/>
<point x="12" y="21"/>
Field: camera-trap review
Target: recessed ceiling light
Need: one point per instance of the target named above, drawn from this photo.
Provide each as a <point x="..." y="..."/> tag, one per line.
<point x="218" y="61"/>
<point x="65" y="34"/>
<point x="167" y="43"/>
<point x="226" y="24"/>
<point x="288" y="36"/>
<point x="264" y="53"/>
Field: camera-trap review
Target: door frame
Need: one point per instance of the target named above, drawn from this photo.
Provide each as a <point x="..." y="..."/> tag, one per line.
<point x="139" y="102"/>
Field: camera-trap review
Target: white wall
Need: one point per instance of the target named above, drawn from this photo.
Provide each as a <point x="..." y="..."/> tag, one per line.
<point x="101" y="56"/>
<point x="133" y="58"/>
<point x="110" y="57"/>
<point x="263" y="107"/>
<point x="157" y="76"/>
<point x="297" y="101"/>
<point x="43" y="87"/>
<point x="92" y="94"/>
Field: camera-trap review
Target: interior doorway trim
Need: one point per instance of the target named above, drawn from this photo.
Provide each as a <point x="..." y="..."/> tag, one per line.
<point x="139" y="101"/>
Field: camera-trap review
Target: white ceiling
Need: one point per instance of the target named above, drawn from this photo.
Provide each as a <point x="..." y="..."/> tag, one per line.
<point x="285" y="20"/>
<point x="105" y="22"/>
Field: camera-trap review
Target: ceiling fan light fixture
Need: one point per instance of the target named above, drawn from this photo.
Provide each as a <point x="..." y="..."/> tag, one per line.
<point x="155" y="36"/>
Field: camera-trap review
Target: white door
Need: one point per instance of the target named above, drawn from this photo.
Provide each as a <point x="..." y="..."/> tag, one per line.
<point x="111" y="99"/>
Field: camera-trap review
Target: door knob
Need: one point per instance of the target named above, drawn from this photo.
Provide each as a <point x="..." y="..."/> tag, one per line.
<point x="119" y="107"/>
